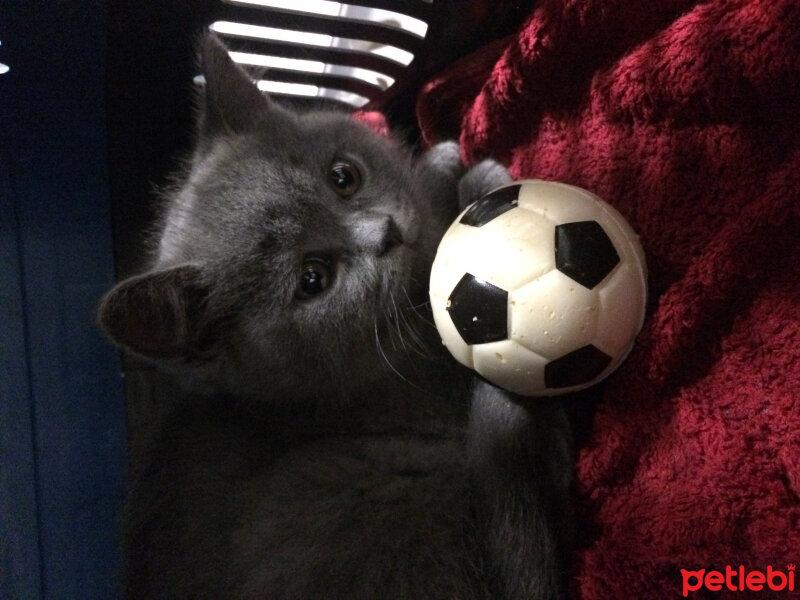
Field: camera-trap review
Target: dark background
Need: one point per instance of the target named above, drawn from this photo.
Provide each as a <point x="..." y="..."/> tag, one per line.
<point x="62" y="417"/>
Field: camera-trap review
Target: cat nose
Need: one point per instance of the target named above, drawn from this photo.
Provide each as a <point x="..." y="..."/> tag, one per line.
<point x="392" y="236"/>
<point x="376" y="233"/>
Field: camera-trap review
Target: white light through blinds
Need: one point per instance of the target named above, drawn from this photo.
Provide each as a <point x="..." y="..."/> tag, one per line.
<point x="298" y="57"/>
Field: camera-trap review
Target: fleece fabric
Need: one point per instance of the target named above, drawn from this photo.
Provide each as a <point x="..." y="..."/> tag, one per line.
<point x="685" y="116"/>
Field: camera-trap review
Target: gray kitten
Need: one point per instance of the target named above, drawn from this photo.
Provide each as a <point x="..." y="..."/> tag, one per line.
<point x="324" y="447"/>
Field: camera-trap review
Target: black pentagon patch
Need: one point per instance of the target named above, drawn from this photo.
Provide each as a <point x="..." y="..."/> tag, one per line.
<point x="491" y="206"/>
<point x="479" y="310"/>
<point x="584" y="252"/>
<point x="576" y="368"/>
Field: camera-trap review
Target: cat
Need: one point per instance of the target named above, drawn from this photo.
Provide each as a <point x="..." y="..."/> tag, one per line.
<point x="323" y="444"/>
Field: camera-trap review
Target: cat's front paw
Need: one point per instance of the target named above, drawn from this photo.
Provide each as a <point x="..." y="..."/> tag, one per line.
<point x="445" y="159"/>
<point x="480" y="180"/>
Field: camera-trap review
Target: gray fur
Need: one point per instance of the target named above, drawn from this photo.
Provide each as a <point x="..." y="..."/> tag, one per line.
<point x="324" y="447"/>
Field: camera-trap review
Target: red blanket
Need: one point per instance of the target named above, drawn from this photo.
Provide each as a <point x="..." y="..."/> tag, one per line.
<point x="685" y="115"/>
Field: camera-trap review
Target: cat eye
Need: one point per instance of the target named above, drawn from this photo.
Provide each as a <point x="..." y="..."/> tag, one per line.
<point x="345" y="178"/>
<point x="316" y="276"/>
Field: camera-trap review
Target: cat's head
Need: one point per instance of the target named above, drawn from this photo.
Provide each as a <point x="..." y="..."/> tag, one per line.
<point x="293" y="243"/>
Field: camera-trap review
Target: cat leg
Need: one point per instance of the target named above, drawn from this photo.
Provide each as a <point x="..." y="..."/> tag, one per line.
<point x="442" y="169"/>
<point x="480" y="180"/>
<point x="520" y="453"/>
<point x="444" y="159"/>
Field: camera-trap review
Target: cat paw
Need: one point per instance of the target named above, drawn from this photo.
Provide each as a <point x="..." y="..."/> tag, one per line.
<point x="445" y="159"/>
<point x="480" y="180"/>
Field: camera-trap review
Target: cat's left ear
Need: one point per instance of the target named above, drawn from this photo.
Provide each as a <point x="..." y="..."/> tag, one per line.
<point x="159" y="315"/>
<point x="232" y="102"/>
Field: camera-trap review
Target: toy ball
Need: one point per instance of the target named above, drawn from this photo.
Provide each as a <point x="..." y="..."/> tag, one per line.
<point x="540" y="287"/>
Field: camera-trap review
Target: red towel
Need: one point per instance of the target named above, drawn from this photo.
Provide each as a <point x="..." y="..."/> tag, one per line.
<point x="685" y="115"/>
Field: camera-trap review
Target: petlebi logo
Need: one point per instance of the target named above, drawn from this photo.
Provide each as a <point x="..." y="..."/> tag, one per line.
<point x="739" y="579"/>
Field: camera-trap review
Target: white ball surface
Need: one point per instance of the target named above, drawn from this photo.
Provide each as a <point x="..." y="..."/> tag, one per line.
<point x="540" y="287"/>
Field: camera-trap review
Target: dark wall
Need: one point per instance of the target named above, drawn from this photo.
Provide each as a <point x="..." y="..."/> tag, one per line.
<point x="62" y="424"/>
<point x="149" y="107"/>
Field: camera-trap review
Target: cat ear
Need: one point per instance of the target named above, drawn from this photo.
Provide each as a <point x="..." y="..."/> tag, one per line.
<point x="232" y="103"/>
<point x="157" y="315"/>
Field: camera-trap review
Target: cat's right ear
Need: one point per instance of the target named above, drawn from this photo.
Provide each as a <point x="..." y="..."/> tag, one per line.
<point x="232" y="102"/>
<point x="158" y="315"/>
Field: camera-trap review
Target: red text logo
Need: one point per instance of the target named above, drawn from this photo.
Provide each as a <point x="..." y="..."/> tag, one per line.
<point x="739" y="580"/>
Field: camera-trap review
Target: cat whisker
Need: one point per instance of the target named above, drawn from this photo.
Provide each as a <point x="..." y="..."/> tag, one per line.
<point x="391" y="366"/>
<point x="419" y="317"/>
<point x="398" y="322"/>
<point x="407" y="333"/>
<point x="422" y="310"/>
<point x="416" y="342"/>
<point x="413" y="306"/>
<point x="391" y="315"/>
<point x="385" y="358"/>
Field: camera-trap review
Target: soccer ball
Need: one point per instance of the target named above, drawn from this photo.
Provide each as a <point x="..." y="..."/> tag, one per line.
<point x="540" y="287"/>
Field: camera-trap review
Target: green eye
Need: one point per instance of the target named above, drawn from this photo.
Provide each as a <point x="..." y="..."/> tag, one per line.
<point x="345" y="178"/>
<point x="316" y="275"/>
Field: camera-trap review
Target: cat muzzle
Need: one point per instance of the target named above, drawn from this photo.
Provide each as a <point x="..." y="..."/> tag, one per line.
<point x="376" y="234"/>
